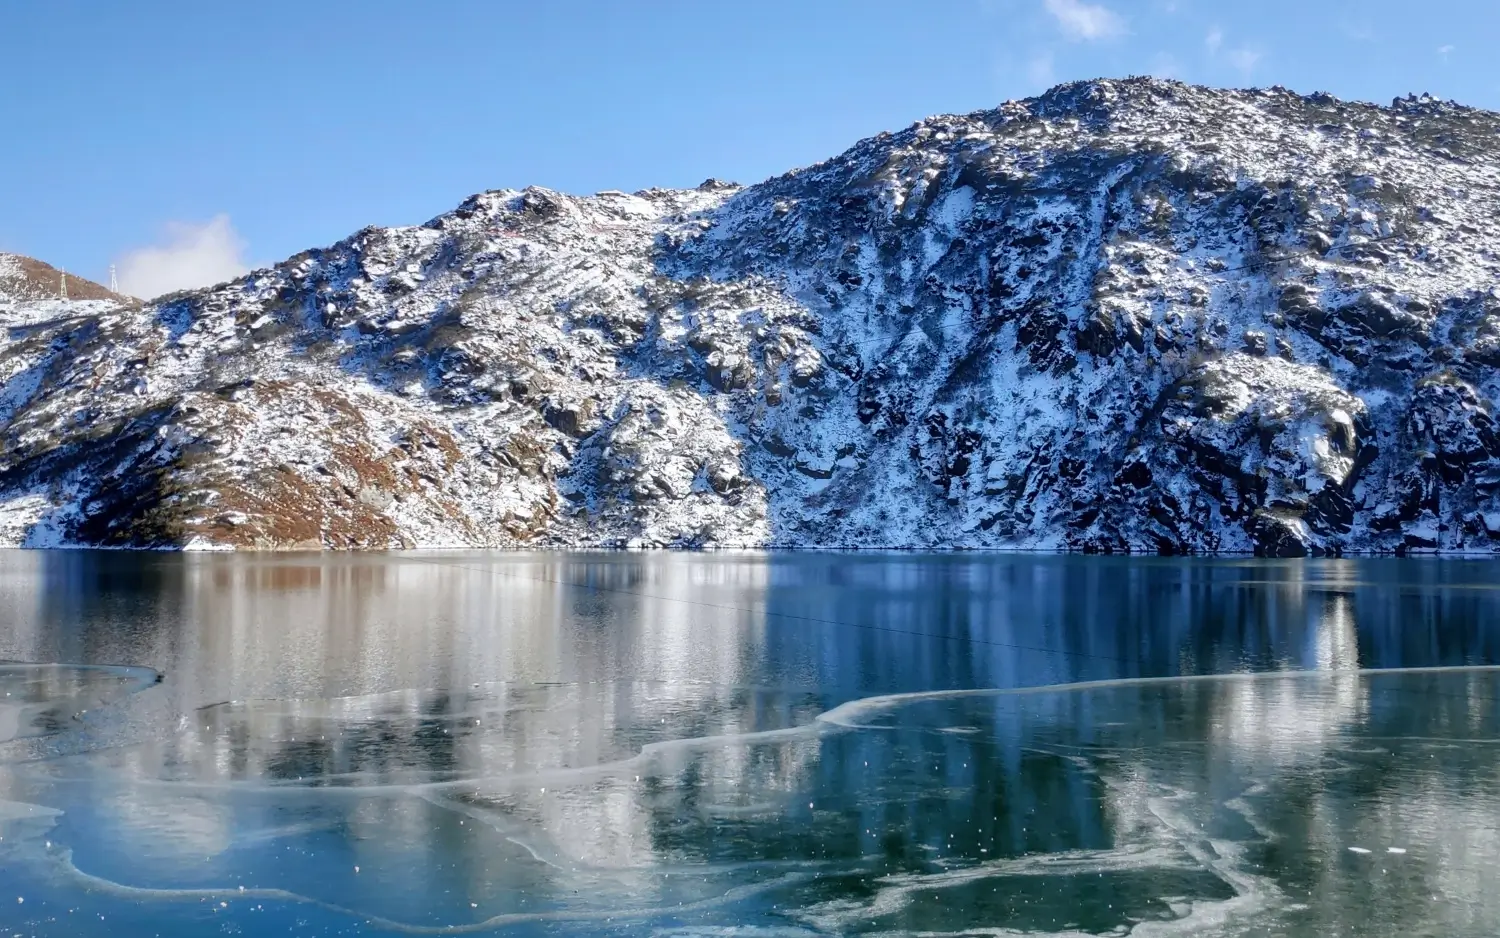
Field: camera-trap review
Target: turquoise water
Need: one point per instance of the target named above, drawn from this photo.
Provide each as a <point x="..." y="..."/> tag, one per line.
<point x="716" y="745"/>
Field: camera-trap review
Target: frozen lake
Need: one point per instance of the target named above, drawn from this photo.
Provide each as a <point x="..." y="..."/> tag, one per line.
<point x="720" y="745"/>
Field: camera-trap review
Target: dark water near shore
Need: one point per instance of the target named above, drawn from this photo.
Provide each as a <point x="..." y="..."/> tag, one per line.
<point x="793" y="745"/>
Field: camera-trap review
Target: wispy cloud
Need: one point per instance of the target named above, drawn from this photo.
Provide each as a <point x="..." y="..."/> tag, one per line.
<point x="1165" y="65"/>
<point x="1085" y="21"/>
<point x="1445" y="51"/>
<point x="1245" y="59"/>
<point x="192" y="255"/>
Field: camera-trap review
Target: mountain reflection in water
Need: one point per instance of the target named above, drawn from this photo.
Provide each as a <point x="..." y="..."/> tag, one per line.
<point x="577" y="744"/>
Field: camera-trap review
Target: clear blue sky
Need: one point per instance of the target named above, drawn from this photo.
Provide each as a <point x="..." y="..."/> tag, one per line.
<point x="303" y="121"/>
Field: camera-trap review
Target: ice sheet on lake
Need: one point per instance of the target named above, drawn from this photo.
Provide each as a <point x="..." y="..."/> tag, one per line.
<point x="44" y="699"/>
<point x="1121" y="806"/>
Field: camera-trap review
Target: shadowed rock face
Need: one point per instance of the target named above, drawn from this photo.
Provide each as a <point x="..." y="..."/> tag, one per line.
<point x="1124" y="316"/>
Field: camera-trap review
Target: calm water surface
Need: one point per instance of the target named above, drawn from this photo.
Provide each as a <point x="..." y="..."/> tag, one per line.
<point x="785" y="745"/>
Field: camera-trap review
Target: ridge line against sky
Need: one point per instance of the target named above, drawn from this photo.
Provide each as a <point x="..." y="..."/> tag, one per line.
<point x="189" y="142"/>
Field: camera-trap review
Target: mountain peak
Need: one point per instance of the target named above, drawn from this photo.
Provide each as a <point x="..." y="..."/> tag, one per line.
<point x="27" y="279"/>
<point x="1125" y="315"/>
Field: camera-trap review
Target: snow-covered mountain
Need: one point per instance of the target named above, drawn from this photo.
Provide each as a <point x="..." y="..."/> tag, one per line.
<point x="1125" y="315"/>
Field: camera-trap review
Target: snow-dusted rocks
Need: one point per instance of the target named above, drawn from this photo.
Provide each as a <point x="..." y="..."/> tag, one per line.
<point x="1124" y="316"/>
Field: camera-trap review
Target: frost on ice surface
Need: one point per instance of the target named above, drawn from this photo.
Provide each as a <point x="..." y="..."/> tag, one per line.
<point x="1123" y="316"/>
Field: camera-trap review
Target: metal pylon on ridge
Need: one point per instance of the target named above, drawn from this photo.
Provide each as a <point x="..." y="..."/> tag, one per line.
<point x="114" y="283"/>
<point x="62" y="289"/>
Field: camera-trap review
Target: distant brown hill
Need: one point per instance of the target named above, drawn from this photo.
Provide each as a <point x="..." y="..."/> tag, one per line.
<point x="26" y="278"/>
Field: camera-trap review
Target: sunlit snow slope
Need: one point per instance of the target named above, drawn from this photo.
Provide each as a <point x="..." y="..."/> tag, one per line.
<point x="1126" y="315"/>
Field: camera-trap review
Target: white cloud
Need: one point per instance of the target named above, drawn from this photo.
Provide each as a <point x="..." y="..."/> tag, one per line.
<point x="1080" y="20"/>
<point x="1040" y="72"/>
<point x="1244" y="58"/>
<point x="193" y="256"/>
<point x="1214" y="40"/>
<point x="1444" y="50"/>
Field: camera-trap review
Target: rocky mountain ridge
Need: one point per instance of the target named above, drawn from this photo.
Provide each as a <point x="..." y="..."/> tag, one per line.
<point x="26" y="279"/>
<point x="1128" y="315"/>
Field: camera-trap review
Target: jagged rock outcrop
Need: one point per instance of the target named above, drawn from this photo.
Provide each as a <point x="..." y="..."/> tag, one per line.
<point x="1123" y="316"/>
